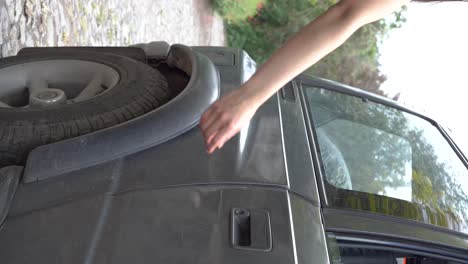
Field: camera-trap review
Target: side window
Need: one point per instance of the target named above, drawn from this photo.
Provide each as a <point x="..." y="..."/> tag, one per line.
<point x="380" y="159"/>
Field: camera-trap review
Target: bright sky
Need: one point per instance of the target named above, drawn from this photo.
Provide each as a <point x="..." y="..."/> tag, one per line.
<point x="427" y="62"/>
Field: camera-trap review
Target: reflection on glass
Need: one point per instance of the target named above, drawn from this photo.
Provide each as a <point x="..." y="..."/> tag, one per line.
<point x="380" y="159"/>
<point x="379" y="162"/>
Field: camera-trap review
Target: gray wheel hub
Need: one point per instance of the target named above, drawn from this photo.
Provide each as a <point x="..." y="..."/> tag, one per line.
<point x="48" y="97"/>
<point x="49" y="83"/>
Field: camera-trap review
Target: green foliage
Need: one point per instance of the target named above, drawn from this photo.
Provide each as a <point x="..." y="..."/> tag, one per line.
<point x="354" y="63"/>
<point x="236" y="10"/>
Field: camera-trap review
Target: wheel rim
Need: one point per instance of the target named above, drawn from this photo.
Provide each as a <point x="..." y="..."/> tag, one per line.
<point x="50" y="83"/>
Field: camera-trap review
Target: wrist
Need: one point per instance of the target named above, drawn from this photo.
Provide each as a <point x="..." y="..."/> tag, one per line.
<point x="255" y="94"/>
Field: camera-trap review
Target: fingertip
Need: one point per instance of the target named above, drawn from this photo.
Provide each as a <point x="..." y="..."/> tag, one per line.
<point x="209" y="148"/>
<point x="210" y="151"/>
<point x="209" y="138"/>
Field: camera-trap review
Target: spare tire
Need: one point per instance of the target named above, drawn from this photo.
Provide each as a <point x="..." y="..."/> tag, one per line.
<point x="49" y="97"/>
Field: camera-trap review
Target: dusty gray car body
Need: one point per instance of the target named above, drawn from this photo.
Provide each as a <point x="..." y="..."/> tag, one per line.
<point x="146" y="191"/>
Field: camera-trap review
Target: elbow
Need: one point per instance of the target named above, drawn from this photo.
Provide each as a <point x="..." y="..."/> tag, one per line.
<point x="351" y="13"/>
<point x="360" y="13"/>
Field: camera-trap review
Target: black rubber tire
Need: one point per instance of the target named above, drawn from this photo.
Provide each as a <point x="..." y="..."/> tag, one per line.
<point x="140" y="89"/>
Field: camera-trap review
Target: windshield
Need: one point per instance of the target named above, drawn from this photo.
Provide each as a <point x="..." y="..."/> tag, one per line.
<point x="380" y="159"/>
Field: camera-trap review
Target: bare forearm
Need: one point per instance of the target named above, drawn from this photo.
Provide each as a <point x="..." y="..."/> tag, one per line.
<point x="312" y="43"/>
<point x="231" y="112"/>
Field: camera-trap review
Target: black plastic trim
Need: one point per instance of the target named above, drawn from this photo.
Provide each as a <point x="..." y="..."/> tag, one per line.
<point x="373" y="241"/>
<point x="287" y="92"/>
<point x="395" y="219"/>
<point x="368" y="224"/>
<point x="313" y="146"/>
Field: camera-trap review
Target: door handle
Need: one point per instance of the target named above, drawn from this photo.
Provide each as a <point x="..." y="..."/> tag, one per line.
<point x="251" y="229"/>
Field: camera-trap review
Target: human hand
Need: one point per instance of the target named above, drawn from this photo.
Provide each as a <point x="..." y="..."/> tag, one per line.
<point x="226" y="117"/>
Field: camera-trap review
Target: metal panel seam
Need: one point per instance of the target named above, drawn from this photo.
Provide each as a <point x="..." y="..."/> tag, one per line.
<point x="104" y="215"/>
<point x="291" y="226"/>
<point x="282" y="140"/>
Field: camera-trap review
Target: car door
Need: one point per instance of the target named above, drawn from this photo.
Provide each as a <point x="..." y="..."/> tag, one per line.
<point x="393" y="187"/>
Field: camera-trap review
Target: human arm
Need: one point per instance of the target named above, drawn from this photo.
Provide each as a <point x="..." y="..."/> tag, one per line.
<point x="230" y="113"/>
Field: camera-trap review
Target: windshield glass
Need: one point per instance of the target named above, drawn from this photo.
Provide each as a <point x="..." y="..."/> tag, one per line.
<point x="380" y="159"/>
